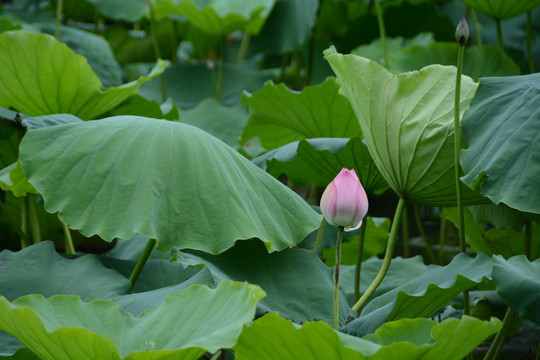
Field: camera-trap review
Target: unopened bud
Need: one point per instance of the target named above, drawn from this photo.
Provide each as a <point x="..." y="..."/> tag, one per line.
<point x="462" y="32"/>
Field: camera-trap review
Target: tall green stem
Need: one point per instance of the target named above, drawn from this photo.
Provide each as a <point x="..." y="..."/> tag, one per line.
<point x="34" y="221"/>
<point x="387" y="257"/>
<point x="457" y="149"/>
<point x="499" y="34"/>
<point x="529" y="41"/>
<point x="476" y="28"/>
<point x="405" y="232"/>
<point x="142" y="261"/>
<point x="221" y="69"/>
<point x="59" y="10"/>
<point x="442" y="240"/>
<point x="498" y="342"/>
<point x="243" y="47"/>
<point x="418" y="220"/>
<point x="24" y="220"/>
<point x="68" y="240"/>
<point x="157" y="52"/>
<point x="358" y="267"/>
<point x="336" y="277"/>
<point x="382" y="32"/>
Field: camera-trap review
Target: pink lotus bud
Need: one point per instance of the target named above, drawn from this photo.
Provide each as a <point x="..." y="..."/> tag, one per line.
<point x="344" y="201"/>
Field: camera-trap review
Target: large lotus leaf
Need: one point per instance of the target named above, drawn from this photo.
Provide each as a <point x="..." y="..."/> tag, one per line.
<point x="424" y="295"/>
<point x="502" y="216"/>
<point x="272" y="337"/>
<point x="501" y="128"/>
<point x="12" y="178"/>
<point x="407" y="123"/>
<point x="494" y="241"/>
<point x="218" y="17"/>
<point x="279" y="115"/>
<point x="375" y="240"/>
<point x="318" y="161"/>
<point x="224" y="122"/>
<point x="297" y="284"/>
<point x="43" y="76"/>
<point x="94" y="48"/>
<point x="38" y="269"/>
<point x="518" y="283"/>
<point x="502" y="9"/>
<point x="191" y="321"/>
<point x="477" y="61"/>
<point x="161" y="179"/>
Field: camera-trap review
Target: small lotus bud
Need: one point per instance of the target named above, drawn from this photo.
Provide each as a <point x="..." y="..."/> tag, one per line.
<point x="344" y="201"/>
<point x="462" y="32"/>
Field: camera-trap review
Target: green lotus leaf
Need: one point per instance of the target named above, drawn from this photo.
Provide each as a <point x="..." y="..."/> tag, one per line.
<point x="272" y="337"/>
<point x="141" y="106"/>
<point x="517" y="281"/>
<point x="502" y="9"/>
<point x="12" y="178"/>
<point x="503" y="160"/>
<point x="218" y="17"/>
<point x="191" y="322"/>
<point x="318" y="161"/>
<point x="38" y="269"/>
<point x="43" y="76"/>
<point x="161" y="179"/>
<point x="477" y="61"/>
<point x="407" y="123"/>
<point x="297" y="284"/>
<point x="131" y="11"/>
<point x="279" y="115"/>
<point x="424" y="295"/>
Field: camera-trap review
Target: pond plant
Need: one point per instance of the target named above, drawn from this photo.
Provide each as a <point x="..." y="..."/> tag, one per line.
<point x="162" y="163"/>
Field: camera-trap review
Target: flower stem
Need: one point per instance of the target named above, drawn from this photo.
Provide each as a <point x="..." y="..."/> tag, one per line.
<point x="336" y="277"/>
<point x="529" y="45"/>
<point x="142" y="261"/>
<point x="68" y="240"/>
<point x="358" y="267"/>
<point x="382" y="32"/>
<point x="457" y="148"/>
<point x="387" y="257"/>
<point x="497" y="343"/>
<point x="418" y="220"/>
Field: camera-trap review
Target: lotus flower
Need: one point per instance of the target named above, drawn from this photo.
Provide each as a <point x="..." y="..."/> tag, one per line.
<point x="344" y="201"/>
<point x="462" y="32"/>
